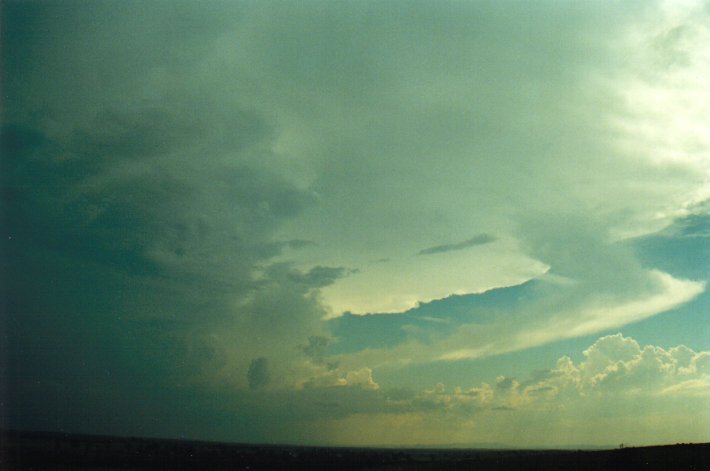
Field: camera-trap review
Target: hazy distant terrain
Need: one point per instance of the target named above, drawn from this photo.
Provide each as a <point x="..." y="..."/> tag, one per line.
<point x="39" y="450"/>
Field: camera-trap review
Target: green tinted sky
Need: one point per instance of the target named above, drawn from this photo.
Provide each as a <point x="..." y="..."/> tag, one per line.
<point x="368" y="223"/>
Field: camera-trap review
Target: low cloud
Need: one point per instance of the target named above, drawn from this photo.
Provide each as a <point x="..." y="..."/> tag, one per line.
<point x="617" y="381"/>
<point x="613" y="366"/>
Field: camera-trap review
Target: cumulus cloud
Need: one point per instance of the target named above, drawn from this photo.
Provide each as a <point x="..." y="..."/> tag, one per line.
<point x="361" y="378"/>
<point x="613" y="366"/>
<point x="620" y="391"/>
<point x="615" y="383"/>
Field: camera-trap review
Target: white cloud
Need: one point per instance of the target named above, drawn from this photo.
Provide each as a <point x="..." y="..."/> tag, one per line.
<point x="619" y="365"/>
<point x="619" y="392"/>
<point x="613" y="365"/>
<point x="598" y="314"/>
<point x="555" y="312"/>
<point x="661" y="117"/>
<point x="408" y="281"/>
<point x="361" y="378"/>
<point x="461" y="149"/>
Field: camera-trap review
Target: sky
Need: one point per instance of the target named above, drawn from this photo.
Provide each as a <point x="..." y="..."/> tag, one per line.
<point x="370" y="223"/>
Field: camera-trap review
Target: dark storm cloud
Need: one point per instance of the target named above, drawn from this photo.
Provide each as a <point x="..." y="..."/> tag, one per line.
<point x="319" y="276"/>
<point x="139" y="134"/>
<point x="128" y="239"/>
<point x="103" y="192"/>
<point x="21" y="142"/>
<point x="82" y="196"/>
<point x="284" y="306"/>
<point x="98" y="52"/>
<point x="316" y="348"/>
<point x="480" y="239"/>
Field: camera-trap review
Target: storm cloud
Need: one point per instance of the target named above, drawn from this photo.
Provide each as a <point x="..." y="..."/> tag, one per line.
<point x="243" y="220"/>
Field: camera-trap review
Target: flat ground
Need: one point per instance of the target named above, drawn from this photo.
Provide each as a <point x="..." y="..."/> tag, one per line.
<point x="41" y="451"/>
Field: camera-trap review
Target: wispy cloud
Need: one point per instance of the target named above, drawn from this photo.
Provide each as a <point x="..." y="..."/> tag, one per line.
<point x="480" y="239"/>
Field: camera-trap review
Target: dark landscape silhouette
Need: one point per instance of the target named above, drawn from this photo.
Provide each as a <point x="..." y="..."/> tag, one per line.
<point x="43" y="450"/>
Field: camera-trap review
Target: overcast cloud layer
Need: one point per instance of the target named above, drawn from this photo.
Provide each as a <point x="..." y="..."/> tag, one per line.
<point x="250" y="220"/>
